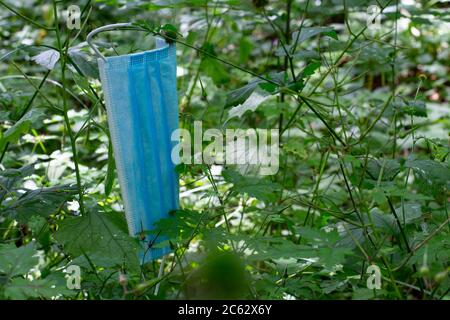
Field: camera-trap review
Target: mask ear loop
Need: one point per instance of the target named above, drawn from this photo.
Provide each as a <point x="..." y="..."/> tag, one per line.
<point x="102" y="29"/>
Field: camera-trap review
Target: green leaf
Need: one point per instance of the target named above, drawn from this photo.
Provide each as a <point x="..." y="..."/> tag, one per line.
<point x="432" y="176"/>
<point x="40" y="229"/>
<point x="313" y="235"/>
<point x="297" y="85"/>
<point x="10" y="177"/>
<point x="251" y="104"/>
<point x="212" y="67"/>
<point x="276" y="248"/>
<point x="330" y="257"/>
<point x="98" y="235"/>
<point x="21" y="127"/>
<point x="296" y="147"/>
<point x="307" y="54"/>
<point x="385" y="169"/>
<point x="311" y="68"/>
<point x="262" y="189"/>
<point x="170" y="31"/>
<point x="269" y="87"/>
<point x="367" y="294"/>
<point x="437" y="251"/>
<point x="409" y="213"/>
<point x="17" y="261"/>
<point x="245" y="49"/>
<point x="86" y="64"/>
<point x="215" y="70"/>
<point x="21" y="289"/>
<point x="416" y="108"/>
<point x="238" y="96"/>
<point x="379" y="196"/>
<point x="180" y="226"/>
<point x="386" y="221"/>
<point x="43" y="201"/>
<point x="309" y="32"/>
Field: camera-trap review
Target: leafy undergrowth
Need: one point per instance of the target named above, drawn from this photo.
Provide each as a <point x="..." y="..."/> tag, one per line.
<point x="363" y="177"/>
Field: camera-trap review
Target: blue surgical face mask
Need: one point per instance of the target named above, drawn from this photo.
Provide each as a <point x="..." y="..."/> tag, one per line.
<point x="142" y="108"/>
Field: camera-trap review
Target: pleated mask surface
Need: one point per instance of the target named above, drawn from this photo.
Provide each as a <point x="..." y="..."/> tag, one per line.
<point x="142" y="108"/>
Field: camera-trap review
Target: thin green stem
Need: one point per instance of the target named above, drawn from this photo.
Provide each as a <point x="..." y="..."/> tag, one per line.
<point x="63" y="60"/>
